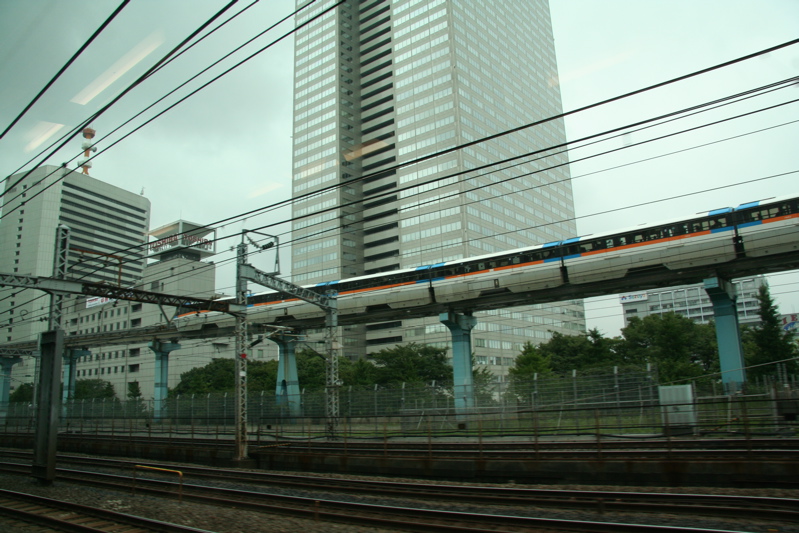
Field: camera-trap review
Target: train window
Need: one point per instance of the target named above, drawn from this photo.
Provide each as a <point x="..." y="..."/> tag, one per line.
<point x="622" y="240"/>
<point x="516" y="260"/>
<point x="638" y="238"/>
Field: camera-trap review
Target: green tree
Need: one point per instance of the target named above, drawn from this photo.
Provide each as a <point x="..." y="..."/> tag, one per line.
<point x="579" y="352"/>
<point x="675" y="344"/>
<point x="135" y="404"/>
<point x="312" y="370"/>
<point x="23" y="393"/>
<point x="360" y="374"/>
<point x="483" y="380"/>
<point x="767" y="343"/>
<point x="218" y="376"/>
<point x="87" y="389"/>
<point x="134" y="391"/>
<point x="529" y="362"/>
<point x="412" y="363"/>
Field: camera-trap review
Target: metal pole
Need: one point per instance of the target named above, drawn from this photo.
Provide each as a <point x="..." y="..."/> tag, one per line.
<point x="331" y="375"/>
<point x="48" y="382"/>
<point x="241" y="356"/>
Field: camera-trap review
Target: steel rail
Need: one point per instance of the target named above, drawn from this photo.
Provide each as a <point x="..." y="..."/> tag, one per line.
<point x="404" y="518"/>
<point x="58" y="515"/>
<point x="729" y="506"/>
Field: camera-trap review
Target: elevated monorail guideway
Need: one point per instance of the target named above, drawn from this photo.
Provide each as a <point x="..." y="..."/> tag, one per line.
<point x="754" y="238"/>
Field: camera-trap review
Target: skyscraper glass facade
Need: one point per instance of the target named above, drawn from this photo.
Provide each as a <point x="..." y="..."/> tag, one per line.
<point x="381" y="84"/>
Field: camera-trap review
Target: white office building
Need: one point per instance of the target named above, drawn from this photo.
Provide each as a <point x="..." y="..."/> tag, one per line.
<point x="693" y="302"/>
<point x="107" y="226"/>
<point x="178" y="267"/>
<point x="381" y="83"/>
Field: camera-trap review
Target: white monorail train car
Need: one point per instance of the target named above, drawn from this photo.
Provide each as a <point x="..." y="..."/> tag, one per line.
<point x="753" y="229"/>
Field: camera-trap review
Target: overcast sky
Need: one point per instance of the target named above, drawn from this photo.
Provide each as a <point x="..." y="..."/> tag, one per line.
<point x="227" y="150"/>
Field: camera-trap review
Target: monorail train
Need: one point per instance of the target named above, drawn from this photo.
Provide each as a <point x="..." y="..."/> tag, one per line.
<point x="753" y="229"/>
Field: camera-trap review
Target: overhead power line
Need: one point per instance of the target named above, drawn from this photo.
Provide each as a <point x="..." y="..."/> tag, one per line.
<point x="66" y="65"/>
<point x="494" y="136"/>
<point x="68" y="136"/>
<point x="695" y="109"/>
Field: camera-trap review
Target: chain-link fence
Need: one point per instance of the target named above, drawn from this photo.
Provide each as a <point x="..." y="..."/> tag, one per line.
<point x="611" y="404"/>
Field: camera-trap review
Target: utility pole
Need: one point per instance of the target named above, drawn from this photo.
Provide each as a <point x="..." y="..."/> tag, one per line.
<point x="48" y="382"/>
<point x="241" y="356"/>
<point x="332" y="382"/>
<point x="246" y="272"/>
<point x="52" y="342"/>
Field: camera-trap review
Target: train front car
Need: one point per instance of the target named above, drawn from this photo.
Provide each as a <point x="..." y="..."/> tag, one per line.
<point x="768" y="227"/>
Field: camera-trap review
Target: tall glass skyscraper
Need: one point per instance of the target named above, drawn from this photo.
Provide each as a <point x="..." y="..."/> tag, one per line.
<point x="380" y="83"/>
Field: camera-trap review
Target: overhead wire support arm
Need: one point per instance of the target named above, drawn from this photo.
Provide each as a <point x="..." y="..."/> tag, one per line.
<point x="54" y="285"/>
<point x="250" y="273"/>
<point x="246" y="272"/>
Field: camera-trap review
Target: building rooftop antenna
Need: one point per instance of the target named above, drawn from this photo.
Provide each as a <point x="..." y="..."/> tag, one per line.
<point x="88" y="148"/>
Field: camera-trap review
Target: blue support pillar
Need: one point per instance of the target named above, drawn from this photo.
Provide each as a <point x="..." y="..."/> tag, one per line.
<point x="460" y="327"/>
<point x="70" y="373"/>
<point x="5" y="383"/>
<point x="728" y="334"/>
<point x="161" y="350"/>
<point x="287" y="391"/>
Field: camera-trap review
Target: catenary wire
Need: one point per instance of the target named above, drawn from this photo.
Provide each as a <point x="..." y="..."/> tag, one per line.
<point x="66" y="66"/>
<point x="161" y="66"/>
<point x="68" y="136"/>
<point x="556" y="182"/>
<point x="473" y="239"/>
<point x="738" y="95"/>
<point x="471" y="170"/>
<point x="642" y="204"/>
<point x="158" y="68"/>
<point x="161" y="113"/>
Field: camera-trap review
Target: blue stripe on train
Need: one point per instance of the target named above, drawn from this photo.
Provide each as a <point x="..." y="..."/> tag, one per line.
<point x="748" y="224"/>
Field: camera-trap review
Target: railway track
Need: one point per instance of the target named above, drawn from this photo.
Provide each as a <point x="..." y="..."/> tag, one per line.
<point x="370" y="515"/>
<point x="57" y="515"/>
<point x="320" y="493"/>
<point x="655" y="445"/>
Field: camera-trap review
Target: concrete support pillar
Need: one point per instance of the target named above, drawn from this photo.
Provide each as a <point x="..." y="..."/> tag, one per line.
<point x="161" y="350"/>
<point x="287" y="391"/>
<point x="460" y="327"/>
<point x="47" y="411"/>
<point x="70" y="373"/>
<point x="5" y="383"/>
<point x="728" y="333"/>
